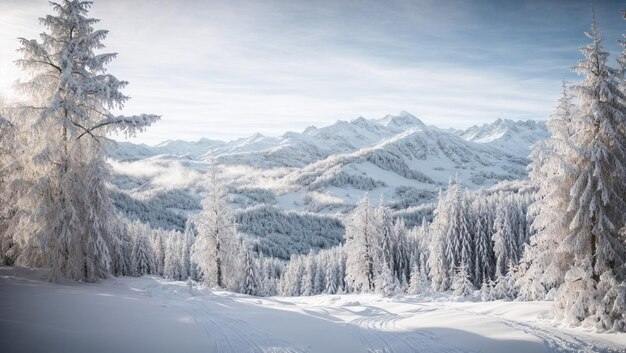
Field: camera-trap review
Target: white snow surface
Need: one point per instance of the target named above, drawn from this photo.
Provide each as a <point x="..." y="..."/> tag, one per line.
<point x="150" y="314"/>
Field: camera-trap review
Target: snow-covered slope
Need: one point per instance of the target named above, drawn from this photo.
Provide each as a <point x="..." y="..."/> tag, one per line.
<point x="150" y="314"/>
<point x="504" y="134"/>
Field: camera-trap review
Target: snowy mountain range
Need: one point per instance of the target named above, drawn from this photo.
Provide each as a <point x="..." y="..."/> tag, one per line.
<point x="323" y="170"/>
<point x="367" y="154"/>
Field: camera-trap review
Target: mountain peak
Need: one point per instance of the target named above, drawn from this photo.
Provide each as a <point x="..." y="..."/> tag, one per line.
<point x="403" y="120"/>
<point x="256" y="136"/>
<point x="309" y="130"/>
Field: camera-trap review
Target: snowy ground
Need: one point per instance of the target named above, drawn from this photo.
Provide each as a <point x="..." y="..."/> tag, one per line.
<point x="154" y="315"/>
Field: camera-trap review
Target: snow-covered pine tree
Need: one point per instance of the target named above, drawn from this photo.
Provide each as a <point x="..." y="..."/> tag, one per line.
<point x="385" y="283"/>
<point x="9" y="169"/>
<point x="320" y="275"/>
<point x="452" y="239"/>
<point x="158" y="244"/>
<point x="330" y="280"/>
<point x="593" y="245"/>
<point x="415" y="281"/>
<point x="250" y="282"/>
<point x="504" y="237"/>
<point x="385" y="243"/>
<point x="361" y="234"/>
<point x="553" y="172"/>
<point x="308" y="279"/>
<point x="289" y="284"/>
<point x="142" y="256"/>
<point x="216" y="240"/>
<point x="483" y="255"/>
<point x="121" y="253"/>
<point x="172" y="269"/>
<point x="461" y="284"/>
<point x="72" y="222"/>
<point x="485" y="290"/>
<point x="403" y="253"/>
<point x="504" y="286"/>
<point x="420" y="239"/>
<point x="466" y="237"/>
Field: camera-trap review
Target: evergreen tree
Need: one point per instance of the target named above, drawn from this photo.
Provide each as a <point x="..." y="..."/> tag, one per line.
<point x="214" y="246"/>
<point x="416" y="285"/>
<point x="504" y="239"/>
<point x="9" y="169"/>
<point x="70" y="223"/>
<point x="385" y="244"/>
<point x="485" y="290"/>
<point x="330" y="280"/>
<point x="385" y="282"/>
<point x="250" y="284"/>
<point x="461" y="284"/>
<point x="483" y="256"/>
<point x="308" y="280"/>
<point x="142" y="256"/>
<point x="403" y="255"/>
<point x="438" y="263"/>
<point x="553" y="172"/>
<point x="597" y="196"/>
<point x="361" y="234"/>
<point x="172" y="268"/>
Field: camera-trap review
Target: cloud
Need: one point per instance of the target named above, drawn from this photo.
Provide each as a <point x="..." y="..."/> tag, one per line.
<point x="227" y="69"/>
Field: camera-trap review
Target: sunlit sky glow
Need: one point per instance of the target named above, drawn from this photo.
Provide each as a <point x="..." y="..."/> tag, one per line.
<point x="227" y="69"/>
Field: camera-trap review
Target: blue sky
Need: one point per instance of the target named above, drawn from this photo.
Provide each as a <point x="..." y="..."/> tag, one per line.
<point x="226" y="69"/>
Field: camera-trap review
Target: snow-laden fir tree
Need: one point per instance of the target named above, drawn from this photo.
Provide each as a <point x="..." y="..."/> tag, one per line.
<point x="402" y="251"/>
<point x="385" y="282"/>
<point x="361" y="236"/>
<point x="461" y="284"/>
<point x="504" y="286"/>
<point x="158" y="244"/>
<point x="438" y="263"/>
<point x="485" y="290"/>
<point x="466" y="236"/>
<point x="189" y="267"/>
<point x="70" y="222"/>
<point x="593" y="246"/>
<point x="142" y="256"/>
<point x="250" y="279"/>
<point x="320" y="275"/>
<point x="172" y="264"/>
<point x="385" y="244"/>
<point x="452" y="243"/>
<point x="10" y="167"/>
<point x="308" y="279"/>
<point x="330" y="280"/>
<point x="505" y="245"/>
<point x="553" y="172"/>
<point x="289" y="284"/>
<point x="483" y="253"/>
<point x="416" y="282"/>
<point x="419" y="248"/>
<point x="215" y="245"/>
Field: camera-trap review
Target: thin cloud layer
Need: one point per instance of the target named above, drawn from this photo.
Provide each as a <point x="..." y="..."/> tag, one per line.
<point x="228" y="69"/>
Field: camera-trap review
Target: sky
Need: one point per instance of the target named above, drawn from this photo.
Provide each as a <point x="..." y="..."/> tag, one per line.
<point x="228" y="69"/>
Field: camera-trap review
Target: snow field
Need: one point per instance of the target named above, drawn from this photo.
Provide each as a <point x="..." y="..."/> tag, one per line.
<point x="150" y="314"/>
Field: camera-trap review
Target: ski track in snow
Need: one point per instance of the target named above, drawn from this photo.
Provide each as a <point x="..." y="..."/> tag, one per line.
<point x="229" y="335"/>
<point x="381" y="334"/>
<point x="556" y="341"/>
<point x="377" y="329"/>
